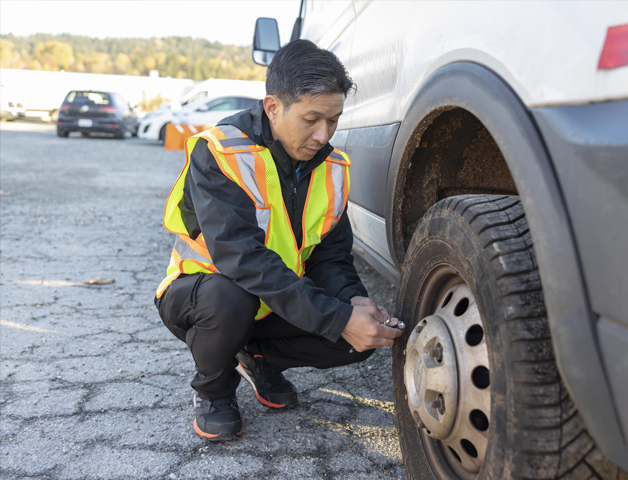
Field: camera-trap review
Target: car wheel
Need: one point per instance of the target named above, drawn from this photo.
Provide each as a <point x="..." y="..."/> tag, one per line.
<point x="477" y="391"/>
<point x="84" y="134"/>
<point x="121" y="133"/>
<point x="162" y="133"/>
<point x="62" y="133"/>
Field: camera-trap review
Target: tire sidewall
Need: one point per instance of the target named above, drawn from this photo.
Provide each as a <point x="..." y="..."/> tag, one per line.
<point x="441" y="239"/>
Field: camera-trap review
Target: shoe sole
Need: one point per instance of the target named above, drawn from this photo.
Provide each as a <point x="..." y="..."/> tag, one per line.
<point x="243" y="374"/>
<point x="221" y="437"/>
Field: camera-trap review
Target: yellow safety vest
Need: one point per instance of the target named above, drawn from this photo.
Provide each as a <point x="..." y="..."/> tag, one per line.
<point x="252" y="167"/>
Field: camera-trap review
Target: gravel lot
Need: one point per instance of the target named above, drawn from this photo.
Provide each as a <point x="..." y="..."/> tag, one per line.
<point x="93" y="386"/>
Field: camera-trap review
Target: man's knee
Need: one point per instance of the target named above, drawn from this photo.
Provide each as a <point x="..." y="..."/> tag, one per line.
<point x="223" y="302"/>
<point x="211" y="300"/>
<point x="341" y="353"/>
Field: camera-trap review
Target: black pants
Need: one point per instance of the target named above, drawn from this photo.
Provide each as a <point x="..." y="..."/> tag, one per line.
<point x="216" y="318"/>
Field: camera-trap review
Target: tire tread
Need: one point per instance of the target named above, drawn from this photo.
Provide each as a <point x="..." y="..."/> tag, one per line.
<point x="551" y="440"/>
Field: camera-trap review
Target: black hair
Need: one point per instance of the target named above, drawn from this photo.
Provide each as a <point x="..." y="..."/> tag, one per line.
<point x="300" y="69"/>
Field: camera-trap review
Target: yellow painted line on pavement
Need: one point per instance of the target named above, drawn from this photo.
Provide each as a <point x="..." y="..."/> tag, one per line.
<point x="371" y="402"/>
<point x="381" y="440"/>
<point x="21" y="326"/>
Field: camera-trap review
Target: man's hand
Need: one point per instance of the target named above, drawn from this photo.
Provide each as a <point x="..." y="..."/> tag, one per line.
<point x="367" y="302"/>
<point x="366" y="330"/>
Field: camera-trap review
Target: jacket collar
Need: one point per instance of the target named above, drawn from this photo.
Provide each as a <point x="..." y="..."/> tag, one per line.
<point x="255" y="124"/>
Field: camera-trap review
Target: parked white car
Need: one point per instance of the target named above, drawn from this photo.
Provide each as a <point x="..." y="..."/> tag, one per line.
<point x="10" y="109"/>
<point x="215" y="100"/>
<point x="489" y="179"/>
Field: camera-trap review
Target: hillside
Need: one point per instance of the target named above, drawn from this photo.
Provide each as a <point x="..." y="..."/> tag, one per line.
<point x="177" y="57"/>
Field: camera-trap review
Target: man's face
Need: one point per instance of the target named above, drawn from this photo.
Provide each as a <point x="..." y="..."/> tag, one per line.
<point x="307" y="125"/>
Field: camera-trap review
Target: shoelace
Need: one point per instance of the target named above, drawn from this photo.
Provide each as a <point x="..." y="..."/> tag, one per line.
<point x="269" y="374"/>
<point x="193" y="293"/>
<point x="221" y="404"/>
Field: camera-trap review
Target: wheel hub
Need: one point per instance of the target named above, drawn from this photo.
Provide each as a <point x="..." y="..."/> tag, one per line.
<point x="431" y="376"/>
<point x="447" y="379"/>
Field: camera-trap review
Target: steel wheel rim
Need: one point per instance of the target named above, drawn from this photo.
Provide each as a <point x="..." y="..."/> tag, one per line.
<point x="462" y="450"/>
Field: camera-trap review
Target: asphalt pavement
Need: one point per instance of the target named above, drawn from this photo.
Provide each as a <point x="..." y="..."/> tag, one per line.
<point x="93" y="386"/>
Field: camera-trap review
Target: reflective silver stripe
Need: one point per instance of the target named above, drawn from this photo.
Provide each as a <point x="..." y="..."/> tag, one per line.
<point x="230" y="131"/>
<point x="246" y="164"/>
<point x="236" y="142"/>
<point x="185" y="251"/>
<point x="338" y="177"/>
<point x="263" y="218"/>
<point x="336" y="156"/>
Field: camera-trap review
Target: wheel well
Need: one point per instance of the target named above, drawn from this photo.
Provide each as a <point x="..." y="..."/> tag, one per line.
<point x="450" y="153"/>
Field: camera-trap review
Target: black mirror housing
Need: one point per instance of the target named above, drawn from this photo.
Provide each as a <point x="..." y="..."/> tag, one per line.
<point x="265" y="40"/>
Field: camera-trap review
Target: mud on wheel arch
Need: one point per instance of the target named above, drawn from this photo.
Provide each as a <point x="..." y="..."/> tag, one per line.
<point x="477" y="389"/>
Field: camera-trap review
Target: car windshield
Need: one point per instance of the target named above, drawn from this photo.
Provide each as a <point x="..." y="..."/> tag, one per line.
<point x="89" y="98"/>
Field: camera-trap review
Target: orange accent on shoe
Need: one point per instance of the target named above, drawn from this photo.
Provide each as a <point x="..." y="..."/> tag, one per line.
<point x="267" y="403"/>
<point x="208" y="435"/>
<point x="258" y="356"/>
<point x="202" y="433"/>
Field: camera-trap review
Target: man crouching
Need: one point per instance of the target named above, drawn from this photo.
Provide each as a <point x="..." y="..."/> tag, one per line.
<point x="261" y="277"/>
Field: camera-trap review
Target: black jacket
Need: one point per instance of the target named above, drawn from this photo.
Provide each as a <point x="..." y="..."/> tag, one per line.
<point x="320" y="301"/>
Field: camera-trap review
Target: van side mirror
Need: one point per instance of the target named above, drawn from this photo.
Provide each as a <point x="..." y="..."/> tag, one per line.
<point x="265" y="40"/>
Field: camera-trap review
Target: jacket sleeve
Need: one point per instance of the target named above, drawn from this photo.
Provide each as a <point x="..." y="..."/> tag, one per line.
<point x="226" y="216"/>
<point x="331" y="264"/>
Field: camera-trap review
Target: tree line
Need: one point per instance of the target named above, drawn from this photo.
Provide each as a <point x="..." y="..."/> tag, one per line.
<point x="176" y="57"/>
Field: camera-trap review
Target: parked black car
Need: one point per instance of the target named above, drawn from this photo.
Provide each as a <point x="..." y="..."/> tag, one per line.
<point x="88" y="111"/>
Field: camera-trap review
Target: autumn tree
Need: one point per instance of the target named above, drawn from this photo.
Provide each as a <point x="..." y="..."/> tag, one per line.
<point x="178" y="57"/>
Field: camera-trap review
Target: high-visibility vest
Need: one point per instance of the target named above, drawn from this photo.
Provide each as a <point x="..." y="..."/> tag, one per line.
<point x="252" y="167"/>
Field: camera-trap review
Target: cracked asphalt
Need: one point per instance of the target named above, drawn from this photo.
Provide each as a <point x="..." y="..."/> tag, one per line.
<point x="93" y="386"/>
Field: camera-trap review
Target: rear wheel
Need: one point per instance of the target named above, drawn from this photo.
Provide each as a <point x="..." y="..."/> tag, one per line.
<point x="477" y="390"/>
<point x="162" y="133"/>
<point x="121" y="133"/>
<point x="62" y="133"/>
<point x="84" y="134"/>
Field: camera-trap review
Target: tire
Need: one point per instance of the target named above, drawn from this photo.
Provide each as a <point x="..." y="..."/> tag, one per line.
<point x="121" y="134"/>
<point x="162" y="133"/>
<point x="62" y="133"/>
<point x="85" y="134"/>
<point x="480" y="245"/>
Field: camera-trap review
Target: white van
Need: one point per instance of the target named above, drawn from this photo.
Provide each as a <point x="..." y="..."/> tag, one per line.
<point x="489" y="179"/>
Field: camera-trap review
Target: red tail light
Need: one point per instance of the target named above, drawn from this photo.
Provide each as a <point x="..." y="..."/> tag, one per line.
<point x="65" y="107"/>
<point x="615" y="51"/>
<point x="108" y="109"/>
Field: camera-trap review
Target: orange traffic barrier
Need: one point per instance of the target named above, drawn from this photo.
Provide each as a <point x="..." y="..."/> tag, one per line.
<point x="176" y="135"/>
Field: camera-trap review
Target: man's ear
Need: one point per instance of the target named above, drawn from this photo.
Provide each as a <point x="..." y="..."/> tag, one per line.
<point x="272" y="105"/>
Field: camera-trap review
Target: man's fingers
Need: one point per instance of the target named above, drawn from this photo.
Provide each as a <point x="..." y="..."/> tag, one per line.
<point x="377" y="315"/>
<point x="388" y="332"/>
<point x="393" y="322"/>
<point x="383" y="311"/>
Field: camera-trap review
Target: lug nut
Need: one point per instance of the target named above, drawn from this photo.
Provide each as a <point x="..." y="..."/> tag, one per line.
<point x="439" y="404"/>
<point x="437" y="353"/>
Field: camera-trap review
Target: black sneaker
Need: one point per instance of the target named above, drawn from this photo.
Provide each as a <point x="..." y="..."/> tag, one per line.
<point x="271" y="388"/>
<point x="217" y="420"/>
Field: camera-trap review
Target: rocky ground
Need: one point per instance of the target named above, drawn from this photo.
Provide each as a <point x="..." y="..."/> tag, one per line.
<point x="93" y="385"/>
